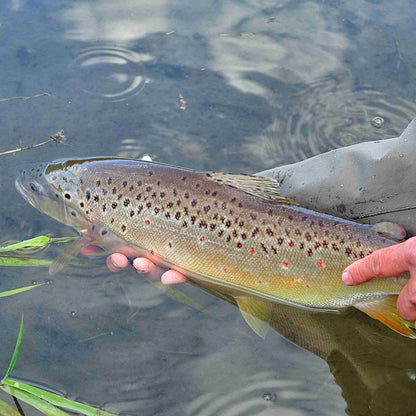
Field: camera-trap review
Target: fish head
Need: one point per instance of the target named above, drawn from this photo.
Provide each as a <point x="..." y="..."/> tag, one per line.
<point x="54" y="190"/>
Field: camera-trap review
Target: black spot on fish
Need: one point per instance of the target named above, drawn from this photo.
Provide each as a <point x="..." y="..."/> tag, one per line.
<point x="203" y="224"/>
<point x="184" y="178"/>
<point x="138" y="197"/>
<point x="228" y="238"/>
<point x="244" y="236"/>
<point x="109" y="181"/>
<point x="193" y="203"/>
<point x="212" y="226"/>
<point x="126" y="202"/>
<point x="124" y="184"/>
<point x="308" y="236"/>
<point x="197" y="186"/>
<point x="81" y="204"/>
<point x="112" y="221"/>
<point x="310" y="252"/>
<point x="123" y="228"/>
<point x="88" y="195"/>
<point x="186" y="195"/>
<point x="214" y="193"/>
<point x="162" y="194"/>
<point x="348" y="251"/>
<point x="228" y="223"/>
<point x="158" y="183"/>
<point x="98" y="183"/>
<point x="139" y="183"/>
<point x="114" y="205"/>
<point x="167" y="215"/>
<point x="269" y="232"/>
<point x="139" y="209"/>
<point x="175" y="192"/>
<point x="184" y="224"/>
<point x="224" y="205"/>
<point x="220" y="233"/>
<point x="170" y="205"/>
<point x="105" y="192"/>
<point x="157" y="210"/>
<point x="178" y="202"/>
<point x="150" y="173"/>
<point x="56" y="196"/>
<point x="131" y="188"/>
<point x="96" y="198"/>
<point x="235" y="234"/>
<point x="114" y="190"/>
<point x="148" y="188"/>
<point x="208" y="174"/>
<point x="178" y="215"/>
<point x="264" y="248"/>
<point x="239" y="245"/>
<point x="131" y="213"/>
<point x="253" y="216"/>
<point x="207" y="208"/>
<point x="241" y="224"/>
<point x="67" y="196"/>
<point x="280" y="241"/>
<point x="148" y="205"/>
<point x="207" y="192"/>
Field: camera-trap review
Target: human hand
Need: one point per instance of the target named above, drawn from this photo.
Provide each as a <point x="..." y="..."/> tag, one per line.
<point x="117" y="262"/>
<point x="388" y="262"/>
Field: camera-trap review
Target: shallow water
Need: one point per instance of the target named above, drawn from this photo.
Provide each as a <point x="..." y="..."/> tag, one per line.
<point x="233" y="86"/>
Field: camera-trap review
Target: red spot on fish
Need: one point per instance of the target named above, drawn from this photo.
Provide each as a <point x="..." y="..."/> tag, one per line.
<point x="170" y="245"/>
<point x="291" y="243"/>
<point x="202" y="238"/>
<point x="320" y="263"/>
<point x="307" y="286"/>
<point x="147" y="222"/>
<point x="225" y="270"/>
<point x="260" y="282"/>
<point x="285" y="263"/>
<point x="252" y="250"/>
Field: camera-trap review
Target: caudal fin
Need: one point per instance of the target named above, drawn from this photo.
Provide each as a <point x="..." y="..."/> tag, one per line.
<point x="385" y="310"/>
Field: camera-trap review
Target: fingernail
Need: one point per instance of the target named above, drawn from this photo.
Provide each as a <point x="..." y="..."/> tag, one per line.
<point x="139" y="266"/>
<point x="347" y="278"/>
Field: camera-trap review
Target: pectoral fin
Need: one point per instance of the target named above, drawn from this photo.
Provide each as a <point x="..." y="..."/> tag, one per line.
<point x="256" y="313"/>
<point x="70" y="251"/>
<point x="385" y="311"/>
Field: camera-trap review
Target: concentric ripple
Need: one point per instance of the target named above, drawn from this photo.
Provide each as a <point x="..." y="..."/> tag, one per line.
<point x="109" y="72"/>
<point x="327" y="115"/>
<point x="263" y="395"/>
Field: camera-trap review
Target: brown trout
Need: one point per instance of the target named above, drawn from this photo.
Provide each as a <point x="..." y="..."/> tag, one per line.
<point x="233" y="233"/>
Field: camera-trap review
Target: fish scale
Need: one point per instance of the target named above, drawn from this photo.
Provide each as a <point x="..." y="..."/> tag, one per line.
<point x="234" y="231"/>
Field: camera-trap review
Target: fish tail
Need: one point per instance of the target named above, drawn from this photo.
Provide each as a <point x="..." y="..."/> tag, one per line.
<point x="385" y="310"/>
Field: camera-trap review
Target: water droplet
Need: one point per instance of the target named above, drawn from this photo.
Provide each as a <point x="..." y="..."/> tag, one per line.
<point x="268" y="396"/>
<point x="401" y="155"/>
<point x="34" y="282"/>
<point x="411" y="373"/>
<point x="377" y="122"/>
<point x="73" y="313"/>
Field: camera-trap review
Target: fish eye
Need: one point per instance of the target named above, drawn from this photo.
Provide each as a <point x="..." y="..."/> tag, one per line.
<point x="34" y="187"/>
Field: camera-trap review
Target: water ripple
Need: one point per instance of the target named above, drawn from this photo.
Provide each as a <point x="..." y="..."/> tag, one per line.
<point x="109" y="72"/>
<point x="327" y="115"/>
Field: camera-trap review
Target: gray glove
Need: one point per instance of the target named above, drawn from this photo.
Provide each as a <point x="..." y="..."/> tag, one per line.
<point x="369" y="182"/>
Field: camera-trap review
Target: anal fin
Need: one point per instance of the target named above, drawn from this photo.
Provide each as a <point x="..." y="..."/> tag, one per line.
<point x="385" y="310"/>
<point x="256" y="313"/>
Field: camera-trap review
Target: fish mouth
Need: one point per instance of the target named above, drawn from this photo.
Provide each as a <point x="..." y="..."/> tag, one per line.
<point x="22" y="190"/>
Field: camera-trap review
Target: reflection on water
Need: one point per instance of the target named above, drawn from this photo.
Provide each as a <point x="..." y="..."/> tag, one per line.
<point x="109" y="72"/>
<point x="329" y="114"/>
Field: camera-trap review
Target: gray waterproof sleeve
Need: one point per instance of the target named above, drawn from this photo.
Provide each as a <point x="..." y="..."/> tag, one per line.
<point x="368" y="182"/>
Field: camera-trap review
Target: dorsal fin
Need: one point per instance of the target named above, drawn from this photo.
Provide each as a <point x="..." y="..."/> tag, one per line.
<point x="266" y="189"/>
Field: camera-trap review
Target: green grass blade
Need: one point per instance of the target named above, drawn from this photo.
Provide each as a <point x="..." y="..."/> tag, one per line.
<point x="57" y="400"/>
<point x="40" y="241"/>
<point x="20" y="261"/>
<point x="20" y="290"/>
<point x="6" y="410"/>
<point x="37" y="402"/>
<point x="15" y="353"/>
<point x="24" y="261"/>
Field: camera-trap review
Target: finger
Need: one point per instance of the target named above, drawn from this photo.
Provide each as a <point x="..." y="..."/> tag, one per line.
<point x="172" y="277"/>
<point x="117" y="262"/>
<point x="386" y="262"/>
<point x="144" y="266"/>
<point x="406" y="304"/>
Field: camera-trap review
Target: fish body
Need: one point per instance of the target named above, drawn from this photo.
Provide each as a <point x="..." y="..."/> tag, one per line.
<point x="232" y="231"/>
